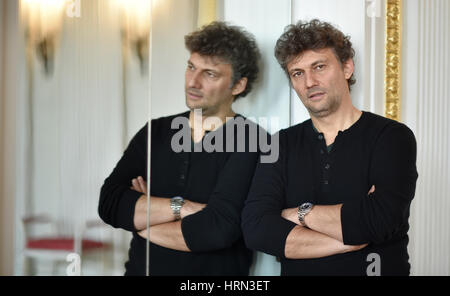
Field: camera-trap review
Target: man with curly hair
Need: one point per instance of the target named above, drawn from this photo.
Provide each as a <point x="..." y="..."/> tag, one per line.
<point x="196" y="195"/>
<point x="337" y="200"/>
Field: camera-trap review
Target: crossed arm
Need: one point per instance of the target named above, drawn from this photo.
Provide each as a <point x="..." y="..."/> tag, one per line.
<point x="164" y="229"/>
<point x="307" y="242"/>
<point x="322" y="237"/>
<point x="215" y="227"/>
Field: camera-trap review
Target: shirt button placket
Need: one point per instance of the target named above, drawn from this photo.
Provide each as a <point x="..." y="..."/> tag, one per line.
<point x="183" y="173"/>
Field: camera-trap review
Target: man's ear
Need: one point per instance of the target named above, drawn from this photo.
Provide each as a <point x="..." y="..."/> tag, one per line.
<point x="239" y="86"/>
<point x="349" y="68"/>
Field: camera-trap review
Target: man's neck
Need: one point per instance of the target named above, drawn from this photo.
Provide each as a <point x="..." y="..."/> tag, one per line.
<point x="200" y="123"/>
<point x="338" y="121"/>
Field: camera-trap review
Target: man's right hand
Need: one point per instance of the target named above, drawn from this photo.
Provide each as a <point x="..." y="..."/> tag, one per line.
<point x="160" y="210"/>
<point x="139" y="185"/>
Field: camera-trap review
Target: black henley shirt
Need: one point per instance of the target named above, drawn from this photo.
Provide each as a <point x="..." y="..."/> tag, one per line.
<point x="219" y="179"/>
<point x="373" y="151"/>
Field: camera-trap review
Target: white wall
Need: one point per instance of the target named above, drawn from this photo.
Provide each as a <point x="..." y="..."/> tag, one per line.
<point x="2" y="26"/>
<point x="373" y="67"/>
<point x="270" y="96"/>
<point x="425" y="108"/>
<point x="2" y="198"/>
<point x="8" y="55"/>
<point x="173" y="19"/>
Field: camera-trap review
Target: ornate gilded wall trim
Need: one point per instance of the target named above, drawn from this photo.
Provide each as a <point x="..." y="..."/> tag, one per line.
<point x="392" y="74"/>
<point x="206" y="12"/>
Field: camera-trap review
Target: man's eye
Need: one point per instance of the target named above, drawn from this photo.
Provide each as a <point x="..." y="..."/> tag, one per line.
<point x="211" y="74"/>
<point x="190" y="67"/>
<point x="297" y="74"/>
<point x="320" y="67"/>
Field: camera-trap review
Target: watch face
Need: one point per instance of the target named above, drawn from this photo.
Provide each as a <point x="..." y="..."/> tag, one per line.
<point x="178" y="199"/>
<point x="306" y="206"/>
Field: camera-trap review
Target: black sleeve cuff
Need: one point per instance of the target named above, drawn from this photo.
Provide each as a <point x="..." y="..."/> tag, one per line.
<point x="126" y="208"/>
<point x="350" y="217"/>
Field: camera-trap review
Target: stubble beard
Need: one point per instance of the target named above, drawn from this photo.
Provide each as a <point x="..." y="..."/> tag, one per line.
<point x="207" y="110"/>
<point x="332" y="104"/>
<point x="191" y="104"/>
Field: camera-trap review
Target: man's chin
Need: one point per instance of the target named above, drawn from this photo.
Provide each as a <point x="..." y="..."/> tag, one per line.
<point x="319" y="113"/>
<point x="323" y="111"/>
<point x="192" y="107"/>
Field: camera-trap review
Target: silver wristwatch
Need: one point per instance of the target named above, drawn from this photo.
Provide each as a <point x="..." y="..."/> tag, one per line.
<point x="302" y="211"/>
<point x="175" y="204"/>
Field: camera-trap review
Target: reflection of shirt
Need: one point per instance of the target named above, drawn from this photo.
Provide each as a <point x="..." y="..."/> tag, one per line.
<point x="373" y="151"/>
<point x="220" y="179"/>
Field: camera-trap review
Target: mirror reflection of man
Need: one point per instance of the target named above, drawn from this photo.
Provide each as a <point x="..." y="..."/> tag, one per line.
<point x="339" y="194"/>
<point x="196" y="197"/>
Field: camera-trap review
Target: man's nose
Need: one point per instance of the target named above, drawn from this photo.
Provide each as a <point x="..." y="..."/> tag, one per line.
<point x="193" y="80"/>
<point x="310" y="80"/>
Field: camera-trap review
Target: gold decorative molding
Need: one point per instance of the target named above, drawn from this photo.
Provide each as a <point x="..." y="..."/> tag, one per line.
<point x="392" y="74"/>
<point x="206" y="12"/>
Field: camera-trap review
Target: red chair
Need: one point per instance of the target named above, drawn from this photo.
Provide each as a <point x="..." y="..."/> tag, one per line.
<point x="55" y="247"/>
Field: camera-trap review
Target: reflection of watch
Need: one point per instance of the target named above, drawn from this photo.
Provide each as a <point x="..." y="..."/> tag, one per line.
<point x="303" y="210"/>
<point x="175" y="204"/>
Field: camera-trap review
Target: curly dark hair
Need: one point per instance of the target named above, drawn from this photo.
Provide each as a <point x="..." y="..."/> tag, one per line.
<point x="313" y="35"/>
<point x="231" y="44"/>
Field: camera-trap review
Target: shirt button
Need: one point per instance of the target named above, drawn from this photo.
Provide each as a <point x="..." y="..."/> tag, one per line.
<point x="320" y="137"/>
<point x="325" y="182"/>
<point x="327" y="166"/>
<point x="182" y="177"/>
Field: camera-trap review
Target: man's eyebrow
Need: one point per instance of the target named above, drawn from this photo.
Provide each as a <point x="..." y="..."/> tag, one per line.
<point x="312" y="65"/>
<point x="217" y="72"/>
<point x="295" y="70"/>
<point x="319" y="62"/>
